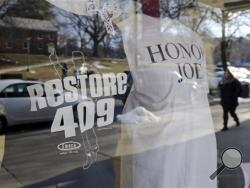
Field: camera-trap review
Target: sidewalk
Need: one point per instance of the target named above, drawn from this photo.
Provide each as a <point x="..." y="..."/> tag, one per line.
<point x="237" y="137"/>
<point x="216" y="100"/>
<point x="213" y="100"/>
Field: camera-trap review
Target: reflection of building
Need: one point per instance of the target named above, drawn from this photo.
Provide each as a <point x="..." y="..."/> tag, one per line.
<point x="24" y="35"/>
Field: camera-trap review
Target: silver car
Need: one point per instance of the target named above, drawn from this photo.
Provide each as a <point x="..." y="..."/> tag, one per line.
<point x="15" y="104"/>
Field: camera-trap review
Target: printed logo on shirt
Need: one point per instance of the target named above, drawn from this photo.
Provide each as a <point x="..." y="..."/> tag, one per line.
<point x="69" y="147"/>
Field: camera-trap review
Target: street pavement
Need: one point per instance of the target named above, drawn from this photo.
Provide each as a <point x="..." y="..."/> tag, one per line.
<point x="32" y="160"/>
<point x="236" y="137"/>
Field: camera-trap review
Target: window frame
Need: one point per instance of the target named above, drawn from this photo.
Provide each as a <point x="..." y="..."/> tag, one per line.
<point x="50" y="36"/>
<point x="9" y="44"/>
<point x="25" y="47"/>
<point x="40" y="36"/>
<point x="16" y="93"/>
<point x="38" y="46"/>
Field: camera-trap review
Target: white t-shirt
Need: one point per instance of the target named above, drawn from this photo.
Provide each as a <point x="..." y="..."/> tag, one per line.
<point x="177" y="148"/>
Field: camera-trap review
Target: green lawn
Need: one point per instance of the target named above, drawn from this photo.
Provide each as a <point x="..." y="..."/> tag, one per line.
<point x="49" y="72"/>
<point x="23" y="59"/>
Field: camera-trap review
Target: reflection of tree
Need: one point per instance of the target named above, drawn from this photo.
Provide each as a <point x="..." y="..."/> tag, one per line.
<point x="237" y="51"/>
<point x="173" y="8"/>
<point x="90" y="30"/>
<point x="113" y="45"/>
<point x="5" y="6"/>
<point x="199" y="17"/>
<point x="66" y="44"/>
<point x="230" y="24"/>
<point x="36" y="9"/>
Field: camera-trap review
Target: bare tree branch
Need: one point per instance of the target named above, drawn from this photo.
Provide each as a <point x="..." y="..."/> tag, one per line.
<point x="90" y="30"/>
<point x="5" y="6"/>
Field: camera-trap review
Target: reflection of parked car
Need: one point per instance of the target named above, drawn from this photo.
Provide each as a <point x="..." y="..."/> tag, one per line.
<point x="214" y="78"/>
<point x="15" y="104"/>
<point x="218" y="69"/>
<point x="214" y="81"/>
<point x="219" y="74"/>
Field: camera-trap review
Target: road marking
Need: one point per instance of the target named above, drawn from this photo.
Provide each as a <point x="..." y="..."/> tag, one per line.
<point x="2" y="144"/>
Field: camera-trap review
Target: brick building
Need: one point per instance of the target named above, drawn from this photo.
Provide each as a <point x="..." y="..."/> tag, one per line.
<point x="25" y="35"/>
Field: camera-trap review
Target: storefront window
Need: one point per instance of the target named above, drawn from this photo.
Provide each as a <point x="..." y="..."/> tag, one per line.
<point x="110" y="93"/>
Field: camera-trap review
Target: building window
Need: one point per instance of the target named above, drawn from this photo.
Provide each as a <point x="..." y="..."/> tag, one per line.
<point x="50" y="36"/>
<point x="40" y="36"/>
<point x="8" y="44"/>
<point x="25" y="45"/>
<point x="40" y="46"/>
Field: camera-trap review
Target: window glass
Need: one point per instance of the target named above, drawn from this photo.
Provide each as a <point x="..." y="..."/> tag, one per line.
<point x="8" y="44"/>
<point x="122" y="99"/>
<point x="19" y="90"/>
<point x="40" y="35"/>
<point x="50" y="36"/>
<point x="25" y="45"/>
<point x="40" y="46"/>
<point x="22" y="90"/>
<point x="9" y="91"/>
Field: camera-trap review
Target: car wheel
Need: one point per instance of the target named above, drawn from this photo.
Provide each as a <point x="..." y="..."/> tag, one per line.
<point x="2" y="125"/>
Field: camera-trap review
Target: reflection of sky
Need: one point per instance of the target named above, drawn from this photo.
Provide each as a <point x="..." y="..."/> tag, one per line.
<point x="216" y="30"/>
<point x="240" y="22"/>
<point x="211" y="26"/>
